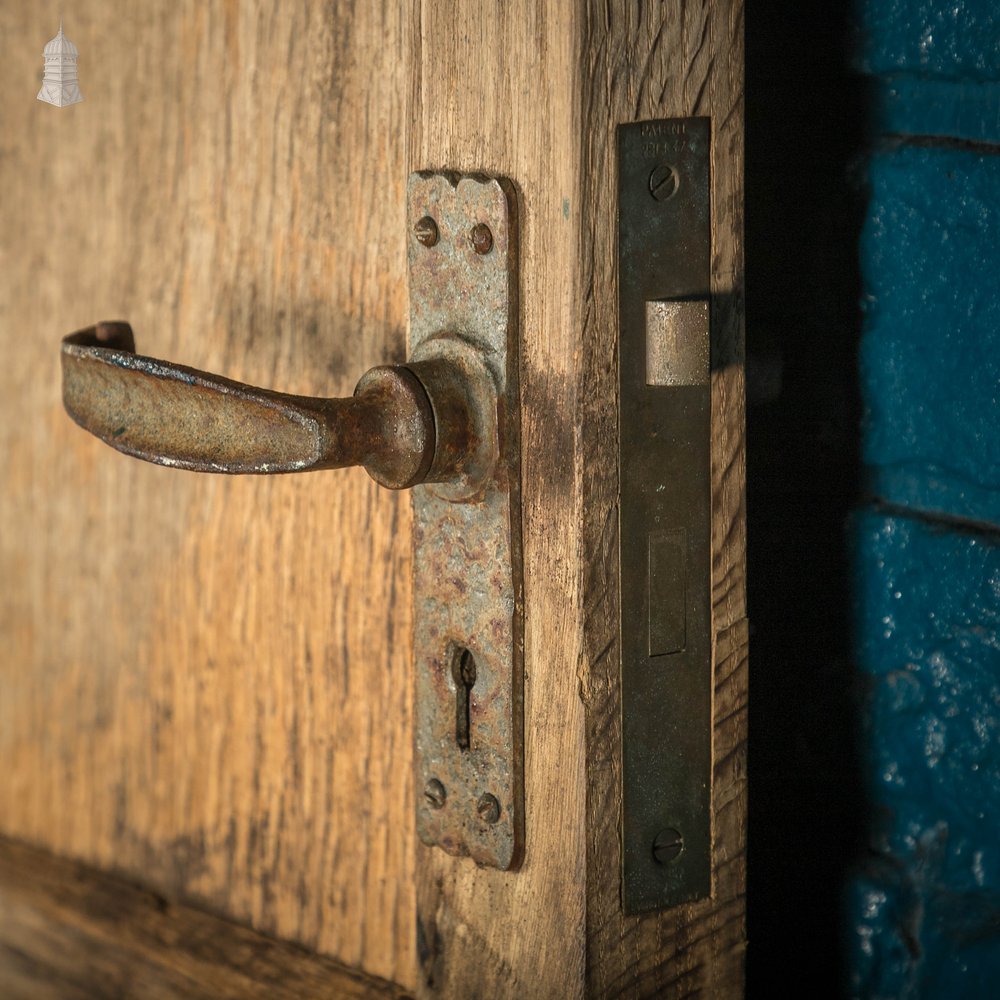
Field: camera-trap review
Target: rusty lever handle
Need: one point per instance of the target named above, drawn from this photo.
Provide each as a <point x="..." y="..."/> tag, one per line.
<point x="188" y="419"/>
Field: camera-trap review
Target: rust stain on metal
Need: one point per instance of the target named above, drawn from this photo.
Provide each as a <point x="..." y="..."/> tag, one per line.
<point x="426" y="231"/>
<point x="177" y="416"/>
<point x="467" y="531"/>
<point x="482" y="238"/>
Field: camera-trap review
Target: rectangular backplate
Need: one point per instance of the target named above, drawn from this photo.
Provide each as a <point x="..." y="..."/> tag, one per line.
<point x="467" y="549"/>
<point x="664" y="271"/>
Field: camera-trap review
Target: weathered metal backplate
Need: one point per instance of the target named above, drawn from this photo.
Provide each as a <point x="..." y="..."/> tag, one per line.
<point x="664" y="247"/>
<point x="467" y="567"/>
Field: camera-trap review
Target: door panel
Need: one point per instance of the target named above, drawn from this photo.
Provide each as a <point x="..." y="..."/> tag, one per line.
<point x="207" y="681"/>
<point x="69" y="933"/>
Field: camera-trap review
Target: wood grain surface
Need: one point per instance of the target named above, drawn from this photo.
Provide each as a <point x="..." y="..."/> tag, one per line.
<point x="660" y="61"/>
<point x="70" y="933"/>
<point x="206" y="682"/>
<point x="493" y="90"/>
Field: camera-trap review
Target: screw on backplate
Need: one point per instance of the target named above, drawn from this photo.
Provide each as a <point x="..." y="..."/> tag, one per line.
<point x="667" y="845"/>
<point x="426" y="231"/>
<point x="482" y="238"/>
<point x="488" y="808"/>
<point x="435" y="794"/>
<point x="664" y="182"/>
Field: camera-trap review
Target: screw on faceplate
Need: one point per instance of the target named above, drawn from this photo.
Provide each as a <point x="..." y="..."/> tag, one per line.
<point x="482" y="238"/>
<point x="667" y="845"/>
<point x="435" y="794"/>
<point x="664" y="182"/>
<point x="426" y="231"/>
<point x="488" y="808"/>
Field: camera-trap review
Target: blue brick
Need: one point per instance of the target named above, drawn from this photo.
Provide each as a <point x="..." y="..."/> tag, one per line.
<point x="930" y="349"/>
<point x="924" y="914"/>
<point x="906" y="105"/>
<point x="958" y="40"/>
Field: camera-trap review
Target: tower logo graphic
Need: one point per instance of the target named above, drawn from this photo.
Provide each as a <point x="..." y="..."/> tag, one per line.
<point x="60" y="85"/>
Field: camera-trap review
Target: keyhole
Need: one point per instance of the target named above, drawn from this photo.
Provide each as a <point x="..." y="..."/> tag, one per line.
<point x="463" y="670"/>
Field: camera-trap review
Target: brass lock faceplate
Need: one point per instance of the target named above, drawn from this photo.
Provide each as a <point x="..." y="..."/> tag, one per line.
<point x="664" y="282"/>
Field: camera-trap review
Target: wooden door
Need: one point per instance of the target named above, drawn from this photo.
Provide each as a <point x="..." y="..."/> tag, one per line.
<point x="206" y="681"/>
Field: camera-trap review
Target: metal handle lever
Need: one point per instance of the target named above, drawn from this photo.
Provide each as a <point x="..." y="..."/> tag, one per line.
<point x="405" y="425"/>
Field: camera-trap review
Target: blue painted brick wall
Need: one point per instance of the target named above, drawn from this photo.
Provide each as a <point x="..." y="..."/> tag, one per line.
<point x="924" y="909"/>
<point x="956" y="40"/>
<point x="930" y="353"/>
<point x="933" y="66"/>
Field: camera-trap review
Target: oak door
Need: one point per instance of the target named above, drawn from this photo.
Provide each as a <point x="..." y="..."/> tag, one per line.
<point x="206" y="681"/>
